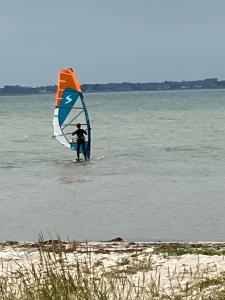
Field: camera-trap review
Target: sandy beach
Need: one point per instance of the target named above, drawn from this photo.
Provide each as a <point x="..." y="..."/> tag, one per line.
<point x="161" y="270"/>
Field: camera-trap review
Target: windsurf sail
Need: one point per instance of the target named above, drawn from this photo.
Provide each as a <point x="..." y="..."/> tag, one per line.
<point x="70" y="109"/>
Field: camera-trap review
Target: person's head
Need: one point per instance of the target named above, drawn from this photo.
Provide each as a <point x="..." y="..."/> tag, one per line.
<point x="78" y="125"/>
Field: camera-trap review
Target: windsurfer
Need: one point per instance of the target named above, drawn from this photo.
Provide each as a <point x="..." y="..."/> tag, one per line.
<point x="80" y="140"/>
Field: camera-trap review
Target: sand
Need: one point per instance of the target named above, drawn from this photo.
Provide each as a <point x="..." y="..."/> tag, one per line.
<point x="165" y="271"/>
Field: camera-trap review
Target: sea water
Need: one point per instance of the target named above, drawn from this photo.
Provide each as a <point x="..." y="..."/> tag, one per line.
<point x="157" y="170"/>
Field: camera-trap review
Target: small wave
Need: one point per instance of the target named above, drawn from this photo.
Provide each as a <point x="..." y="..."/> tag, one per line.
<point x="179" y="149"/>
<point x="69" y="180"/>
<point x="20" y="140"/>
<point x="9" y="166"/>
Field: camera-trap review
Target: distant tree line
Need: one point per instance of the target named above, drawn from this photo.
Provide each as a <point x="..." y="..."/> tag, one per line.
<point x="23" y="90"/>
<point x="210" y="83"/>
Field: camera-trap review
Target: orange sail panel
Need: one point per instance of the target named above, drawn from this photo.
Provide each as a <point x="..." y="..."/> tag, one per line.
<point x="67" y="79"/>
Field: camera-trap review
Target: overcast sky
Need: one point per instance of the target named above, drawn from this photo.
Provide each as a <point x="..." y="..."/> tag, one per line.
<point x="111" y="40"/>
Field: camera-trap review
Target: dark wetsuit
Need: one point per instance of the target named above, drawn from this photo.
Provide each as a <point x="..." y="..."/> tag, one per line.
<point x="80" y="141"/>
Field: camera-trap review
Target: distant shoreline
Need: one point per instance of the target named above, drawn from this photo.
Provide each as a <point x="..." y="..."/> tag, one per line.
<point x="210" y="83"/>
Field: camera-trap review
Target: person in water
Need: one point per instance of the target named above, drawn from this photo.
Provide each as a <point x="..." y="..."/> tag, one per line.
<point x="80" y="140"/>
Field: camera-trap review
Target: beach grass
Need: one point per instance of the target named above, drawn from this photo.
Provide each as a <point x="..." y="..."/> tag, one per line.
<point x="189" y="249"/>
<point x="59" y="273"/>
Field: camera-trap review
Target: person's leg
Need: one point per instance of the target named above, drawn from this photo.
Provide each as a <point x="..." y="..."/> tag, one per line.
<point x="84" y="150"/>
<point x="78" y="150"/>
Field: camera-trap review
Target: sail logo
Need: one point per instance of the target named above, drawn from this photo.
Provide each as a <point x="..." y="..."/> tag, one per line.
<point x="69" y="99"/>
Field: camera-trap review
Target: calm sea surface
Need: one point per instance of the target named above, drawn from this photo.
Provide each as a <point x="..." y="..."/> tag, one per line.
<point x="160" y="176"/>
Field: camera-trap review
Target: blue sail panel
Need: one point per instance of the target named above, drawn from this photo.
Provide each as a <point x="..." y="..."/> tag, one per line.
<point x="69" y="99"/>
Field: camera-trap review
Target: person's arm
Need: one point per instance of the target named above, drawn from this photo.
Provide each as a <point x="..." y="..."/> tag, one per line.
<point x="75" y="132"/>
